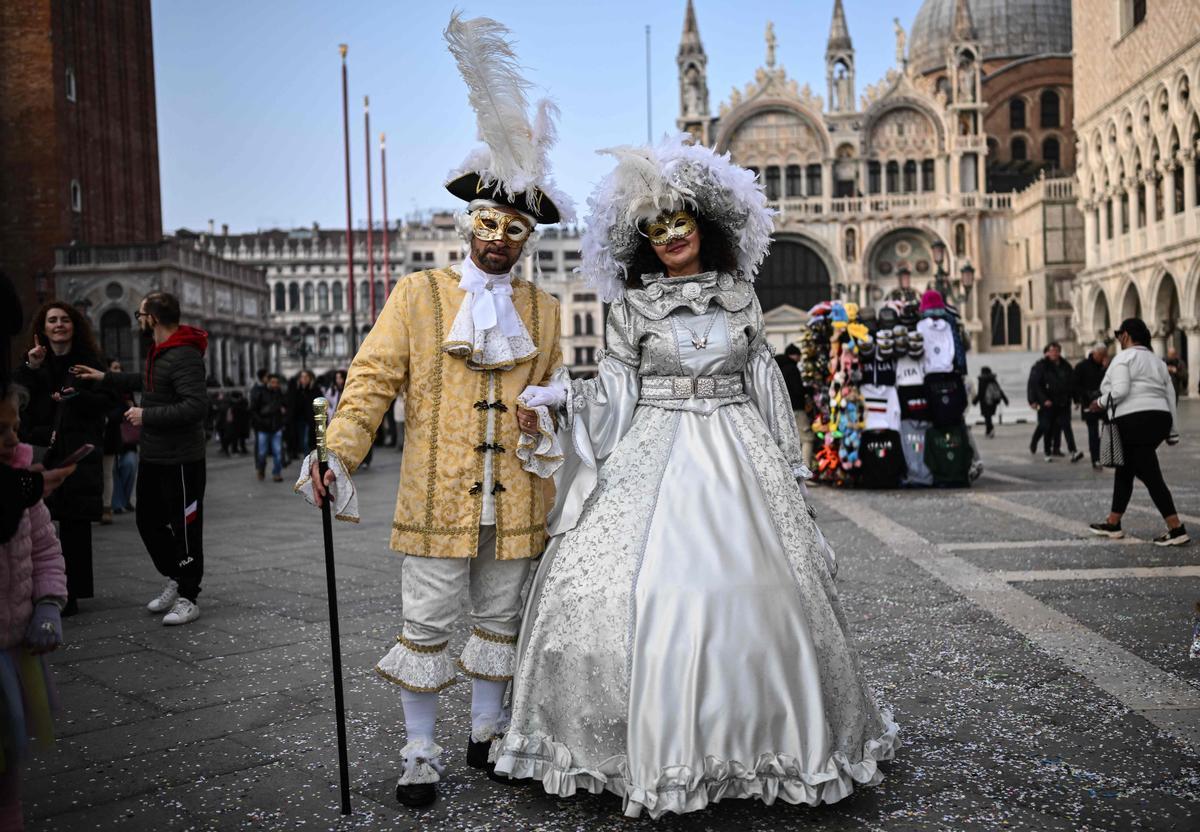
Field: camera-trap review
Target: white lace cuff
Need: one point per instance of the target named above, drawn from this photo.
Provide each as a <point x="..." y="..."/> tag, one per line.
<point x="345" y="498"/>
<point x="489" y="655"/>
<point x="540" y="455"/>
<point x="416" y="667"/>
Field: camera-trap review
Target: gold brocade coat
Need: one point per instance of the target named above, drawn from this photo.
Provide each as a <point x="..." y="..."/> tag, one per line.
<point x="438" y="506"/>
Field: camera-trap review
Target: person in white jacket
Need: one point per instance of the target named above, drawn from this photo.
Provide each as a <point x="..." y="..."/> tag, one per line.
<point x="1138" y="394"/>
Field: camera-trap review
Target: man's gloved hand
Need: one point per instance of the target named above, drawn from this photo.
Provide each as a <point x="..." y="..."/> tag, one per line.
<point x="551" y="397"/>
<point x="44" y="632"/>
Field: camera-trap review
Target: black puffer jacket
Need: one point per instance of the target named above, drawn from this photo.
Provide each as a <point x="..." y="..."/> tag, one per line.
<point x="1088" y="375"/>
<point x="174" y="398"/>
<point x="63" y="426"/>
<point x="1051" y="381"/>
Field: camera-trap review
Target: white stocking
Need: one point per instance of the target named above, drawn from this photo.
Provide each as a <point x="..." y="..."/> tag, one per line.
<point x="420" y="715"/>
<point x="487" y="701"/>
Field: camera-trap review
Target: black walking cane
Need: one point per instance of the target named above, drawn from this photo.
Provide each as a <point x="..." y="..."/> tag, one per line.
<point x="320" y="417"/>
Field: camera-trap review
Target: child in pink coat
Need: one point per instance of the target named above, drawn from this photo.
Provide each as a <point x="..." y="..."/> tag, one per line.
<point x="33" y="588"/>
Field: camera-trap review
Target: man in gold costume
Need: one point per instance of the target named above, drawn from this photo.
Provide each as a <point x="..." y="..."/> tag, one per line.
<point x="460" y="344"/>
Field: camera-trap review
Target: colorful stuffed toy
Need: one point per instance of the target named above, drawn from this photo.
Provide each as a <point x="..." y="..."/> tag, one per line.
<point x="850" y="426"/>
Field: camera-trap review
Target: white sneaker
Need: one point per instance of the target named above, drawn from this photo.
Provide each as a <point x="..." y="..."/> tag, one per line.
<point x="183" y="612"/>
<point x="165" y="599"/>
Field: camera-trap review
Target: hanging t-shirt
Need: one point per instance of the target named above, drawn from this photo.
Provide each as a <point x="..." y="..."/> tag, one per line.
<point x="882" y="406"/>
<point x="879" y="370"/>
<point x="912" y="439"/>
<point x="882" y="459"/>
<point x="939" y="345"/>
<point x="909" y="372"/>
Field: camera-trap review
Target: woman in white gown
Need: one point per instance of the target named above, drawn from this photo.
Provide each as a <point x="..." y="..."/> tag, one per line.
<point x="683" y="640"/>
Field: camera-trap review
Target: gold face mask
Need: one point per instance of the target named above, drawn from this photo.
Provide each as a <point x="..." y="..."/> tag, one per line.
<point x="669" y="227"/>
<point x="489" y="225"/>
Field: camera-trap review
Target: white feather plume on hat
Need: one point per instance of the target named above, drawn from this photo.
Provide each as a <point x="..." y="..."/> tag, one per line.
<point x="670" y="175"/>
<point x="515" y="159"/>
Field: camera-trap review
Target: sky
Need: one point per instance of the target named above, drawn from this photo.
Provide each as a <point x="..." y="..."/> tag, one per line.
<point x="250" y="108"/>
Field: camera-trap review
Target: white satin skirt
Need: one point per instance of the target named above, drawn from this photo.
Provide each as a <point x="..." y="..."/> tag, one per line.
<point x="684" y="642"/>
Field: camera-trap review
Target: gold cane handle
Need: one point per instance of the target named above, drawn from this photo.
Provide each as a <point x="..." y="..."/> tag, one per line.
<point x="321" y="417"/>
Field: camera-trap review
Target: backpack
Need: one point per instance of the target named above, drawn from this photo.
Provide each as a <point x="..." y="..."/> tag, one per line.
<point x="947" y="398"/>
<point x="882" y="459"/>
<point x="948" y="455"/>
<point x="991" y="394"/>
<point x="912" y="442"/>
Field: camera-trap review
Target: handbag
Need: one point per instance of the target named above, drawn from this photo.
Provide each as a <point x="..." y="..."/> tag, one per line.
<point x="1112" y="452"/>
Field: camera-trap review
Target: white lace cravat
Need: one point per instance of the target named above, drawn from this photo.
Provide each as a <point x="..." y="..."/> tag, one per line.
<point x="487" y="330"/>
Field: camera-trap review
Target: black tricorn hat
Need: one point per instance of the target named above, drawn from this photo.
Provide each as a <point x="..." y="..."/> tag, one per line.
<point x="470" y="186"/>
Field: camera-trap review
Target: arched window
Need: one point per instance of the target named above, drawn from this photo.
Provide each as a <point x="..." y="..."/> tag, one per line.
<point x="874" y="181"/>
<point x="772" y="182"/>
<point x="1016" y="114"/>
<point x="814" y="180"/>
<point x="362" y="300"/>
<point x="1051" y="153"/>
<point x="323" y="341"/>
<point x="1051" y="115"/>
<point x="293" y="296"/>
<point x="116" y="337"/>
<point x="999" y="330"/>
<point x="322" y="296"/>
<point x="795" y="180"/>
<point x="1020" y="152"/>
<point x="928" y="178"/>
<point x="339" y="340"/>
<point x="893" y="177"/>
<point x="338" y="297"/>
<point x="379" y="296"/>
<point x="310" y="339"/>
<point x="308" y="297"/>
<point x="960" y="240"/>
<point x="910" y="177"/>
<point x="1014" y="323"/>
<point x="589" y="324"/>
<point x="851" y="245"/>
<point x="76" y="196"/>
<point x="578" y="321"/>
<point x="280" y="297"/>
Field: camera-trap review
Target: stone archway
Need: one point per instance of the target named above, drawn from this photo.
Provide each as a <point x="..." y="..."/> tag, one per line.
<point x="1164" y="321"/>
<point x="793" y="274"/>
<point x="1131" y="303"/>
<point x="1102" y="323"/>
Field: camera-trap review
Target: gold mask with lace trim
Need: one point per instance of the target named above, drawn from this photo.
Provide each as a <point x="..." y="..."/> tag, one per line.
<point x="490" y="225"/>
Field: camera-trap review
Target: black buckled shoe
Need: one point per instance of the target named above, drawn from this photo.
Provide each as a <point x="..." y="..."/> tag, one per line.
<point x="416" y="795"/>
<point x="477" y="754"/>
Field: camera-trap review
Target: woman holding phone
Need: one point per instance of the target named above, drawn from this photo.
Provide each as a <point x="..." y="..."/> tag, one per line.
<point x="62" y="416"/>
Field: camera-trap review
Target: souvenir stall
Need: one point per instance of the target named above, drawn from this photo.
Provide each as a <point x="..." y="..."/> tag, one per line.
<point x="887" y="392"/>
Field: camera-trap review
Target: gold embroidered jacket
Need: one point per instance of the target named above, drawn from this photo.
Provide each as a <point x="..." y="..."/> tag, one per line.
<point x="438" y="506"/>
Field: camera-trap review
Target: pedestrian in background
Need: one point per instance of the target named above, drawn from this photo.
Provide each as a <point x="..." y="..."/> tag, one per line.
<point x="301" y="412"/>
<point x="171" y="471"/>
<point x="268" y="420"/>
<point x="62" y="416"/>
<point x="789" y="366"/>
<point x="1089" y="373"/>
<point x="1177" y="367"/>
<point x="989" y="395"/>
<point x="1138" y="392"/>
<point x="33" y="590"/>
<point x="1050" y="387"/>
<point x="120" y="453"/>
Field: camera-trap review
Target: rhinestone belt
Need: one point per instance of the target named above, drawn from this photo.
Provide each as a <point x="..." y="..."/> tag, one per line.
<point x="658" y="388"/>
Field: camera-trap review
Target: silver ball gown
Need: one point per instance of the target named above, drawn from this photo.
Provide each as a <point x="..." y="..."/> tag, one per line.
<point x="683" y="640"/>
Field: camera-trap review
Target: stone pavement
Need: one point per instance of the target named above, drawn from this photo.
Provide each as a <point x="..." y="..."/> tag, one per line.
<point x="1039" y="675"/>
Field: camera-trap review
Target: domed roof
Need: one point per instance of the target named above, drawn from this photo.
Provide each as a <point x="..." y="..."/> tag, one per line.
<point x="1005" y="29"/>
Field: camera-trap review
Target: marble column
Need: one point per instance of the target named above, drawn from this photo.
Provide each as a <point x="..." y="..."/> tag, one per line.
<point x="1151" y="185"/>
<point x="1187" y="157"/>
<point x="1192" y="331"/>
<point x="1089" y="226"/>
<point x="1169" y="190"/>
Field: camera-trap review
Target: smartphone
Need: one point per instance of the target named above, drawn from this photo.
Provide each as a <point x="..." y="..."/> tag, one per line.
<point x="79" y="453"/>
<point x="65" y="393"/>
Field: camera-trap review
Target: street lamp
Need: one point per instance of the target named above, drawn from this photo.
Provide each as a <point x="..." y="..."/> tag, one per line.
<point x="967" y="275"/>
<point x="938" y="249"/>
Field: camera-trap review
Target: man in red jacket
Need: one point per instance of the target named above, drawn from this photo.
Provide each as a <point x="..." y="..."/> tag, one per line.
<point x="171" y="468"/>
